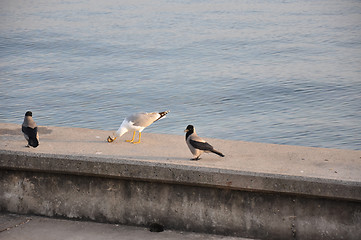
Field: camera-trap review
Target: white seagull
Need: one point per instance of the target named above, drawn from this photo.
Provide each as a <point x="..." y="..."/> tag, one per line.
<point x="136" y="123"/>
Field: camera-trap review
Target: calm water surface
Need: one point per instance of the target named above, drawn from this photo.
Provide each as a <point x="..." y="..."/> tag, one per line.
<point x="284" y="72"/>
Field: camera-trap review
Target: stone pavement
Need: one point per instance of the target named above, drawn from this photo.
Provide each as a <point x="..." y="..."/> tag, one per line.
<point x="23" y="227"/>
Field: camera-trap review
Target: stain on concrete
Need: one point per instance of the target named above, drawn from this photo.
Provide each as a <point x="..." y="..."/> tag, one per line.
<point x="44" y="130"/>
<point x="5" y="131"/>
<point x="15" y="132"/>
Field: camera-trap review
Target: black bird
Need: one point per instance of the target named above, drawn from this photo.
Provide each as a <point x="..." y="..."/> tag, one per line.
<point x="197" y="145"/>
<point x="30" y="130"/>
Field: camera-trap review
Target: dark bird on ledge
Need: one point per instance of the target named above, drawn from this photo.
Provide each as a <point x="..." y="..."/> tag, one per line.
<point x="30" y="130"/>
<point x="197" y="145"/>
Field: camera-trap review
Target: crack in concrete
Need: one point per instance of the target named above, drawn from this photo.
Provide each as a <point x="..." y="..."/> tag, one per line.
<point x="12" y="224"/>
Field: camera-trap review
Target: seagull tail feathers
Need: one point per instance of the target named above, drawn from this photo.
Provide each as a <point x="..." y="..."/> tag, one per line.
<point x="218" y="153"/>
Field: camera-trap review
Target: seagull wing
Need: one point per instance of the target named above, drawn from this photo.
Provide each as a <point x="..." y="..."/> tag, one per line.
<point x="142" y="119"/>
<point x="145" y="119"/>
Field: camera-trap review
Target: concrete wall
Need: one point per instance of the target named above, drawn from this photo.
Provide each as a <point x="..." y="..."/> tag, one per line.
<point x="104" y="191"/>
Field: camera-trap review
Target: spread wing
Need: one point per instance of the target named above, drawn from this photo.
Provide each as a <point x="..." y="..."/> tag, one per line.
<point x="201" y="145"/>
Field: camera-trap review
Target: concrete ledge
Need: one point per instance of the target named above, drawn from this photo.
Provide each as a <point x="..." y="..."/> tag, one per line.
<point x="180" y="174"/>
<point x="258" y="190"/>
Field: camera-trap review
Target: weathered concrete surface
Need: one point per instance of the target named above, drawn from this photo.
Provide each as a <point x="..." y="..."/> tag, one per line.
<point x="182" y="207"/>
<point x="258" y="190"/>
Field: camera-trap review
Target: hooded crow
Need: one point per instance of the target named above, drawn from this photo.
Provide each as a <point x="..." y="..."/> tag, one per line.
<point x="30" y="130"/>
<point x="137" y="122"/>
<point x="197" y="145"/>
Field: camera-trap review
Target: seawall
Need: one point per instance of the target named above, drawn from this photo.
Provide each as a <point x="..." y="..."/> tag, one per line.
<point x="258" y="190"/>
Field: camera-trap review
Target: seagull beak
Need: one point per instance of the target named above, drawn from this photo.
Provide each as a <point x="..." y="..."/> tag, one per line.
<point x="186" y="130"/>
<point x="110" y="139"/>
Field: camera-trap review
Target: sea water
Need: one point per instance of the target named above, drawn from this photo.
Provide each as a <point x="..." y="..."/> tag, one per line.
<point x="283" y="72"/>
